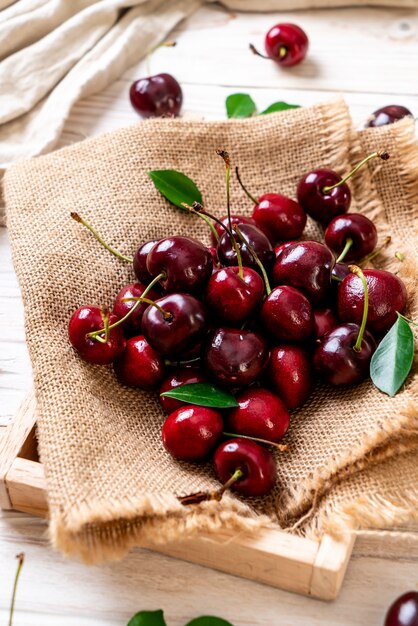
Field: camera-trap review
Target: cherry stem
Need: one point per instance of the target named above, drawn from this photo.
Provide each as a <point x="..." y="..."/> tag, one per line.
<point x="374" y="254"/>
<point x="225" y="156"/>
<point x="257" y="53"/>
<point x="164" y="44"/>
<point x="166" y="315"/>
<point x="358" y="272"/>
<point x="256" y="259"/>
<point x="204" y="496"/>
<point x="406" y="319"/>
<point x="176" y="363"/>
<point x="280" y="446"/>
<point x="204" y="216"/>
<point x="382" y="155"/>
<point x="117" y="254"/>
<point x="245" y="190"/>
<point x="21" y="558"/>
<point x="400" y="256"/>
<point x="105" y="316"/>
<point x="347" y="247"/>
<point x="282" y="51"/>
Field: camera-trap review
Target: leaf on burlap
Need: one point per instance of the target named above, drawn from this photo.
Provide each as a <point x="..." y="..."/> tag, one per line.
<point x="202" y="394"/>
<point x="176" y="187"/>
<point x="279" y="106"/>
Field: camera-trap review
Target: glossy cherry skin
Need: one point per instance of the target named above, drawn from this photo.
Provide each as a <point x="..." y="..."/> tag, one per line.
<point x="387" y="295"/>
<point x="404" y="611"/>
<point x="232" y="298"/>
<point x="287" y="314"/>
<point x="280" y="218"/>
<point x="256" y="463"/>
<point x="235" y="219"/>
<point x="321" y="206"/>
<point x="335" y="360"/>
<point x="185" y="328"/>
<point x="235" y="358"/>
<point x="306" y="265"/>
<point x="388" y="115"/>
<point x="121" y="308"/>
<point x="140" y="365"/>
<point x="290" y="374"/>
<point x="351" y="226"/>
<point x="289" y="37"/>
<point x="187" y="263"/>
<point x="140" y="261"/>
<point x="282" y="246"/>
<point x="192" y="432"/>
<point x="257" y="240"/>
<point x="156" y="96"/>
<point x="178" y="378"/>
<point x="324" y="321"/>
<point x="87" y="319"/>
<point x="260" y="414"/>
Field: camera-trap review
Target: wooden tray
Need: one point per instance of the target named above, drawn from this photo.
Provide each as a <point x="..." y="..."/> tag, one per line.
<point x="273" y="557"/>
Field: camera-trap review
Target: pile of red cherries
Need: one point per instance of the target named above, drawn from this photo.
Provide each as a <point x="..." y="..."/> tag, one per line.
<point x="261" y="314"/>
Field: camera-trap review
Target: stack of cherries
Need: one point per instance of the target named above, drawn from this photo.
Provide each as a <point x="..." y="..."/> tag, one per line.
<point x="259" y="322"/>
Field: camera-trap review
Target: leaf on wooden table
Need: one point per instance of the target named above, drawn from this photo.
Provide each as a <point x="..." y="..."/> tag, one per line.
<point x="176" y="187"/>
<point x="240" y="105"/>
<point x="148" y="618"/>
<point x="208" y="620"/>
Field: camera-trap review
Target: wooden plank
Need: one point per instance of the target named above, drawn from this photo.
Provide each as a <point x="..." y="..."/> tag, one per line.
<point x="26" y="486"/>
<point x="330" y="566"/>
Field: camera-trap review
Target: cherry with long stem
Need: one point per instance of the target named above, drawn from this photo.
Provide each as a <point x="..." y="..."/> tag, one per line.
<point x="375" y="253"/>
<point x="225" y="156"/>
<point x="358" y="272"/>
<point x="200" y="212"/>
<point x="345" y="251"/>
<point x="255" y="257"/>
<point x="382" y="155"/>
<point x="245" y="190"/>
<point x="282" y="52"/>
<point x="75" y="216"/>
<point x="204" y="496"/>
<point x="282" y="447"/>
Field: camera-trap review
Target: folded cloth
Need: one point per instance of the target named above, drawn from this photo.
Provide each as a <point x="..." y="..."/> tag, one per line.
<point x="111" y="484"/>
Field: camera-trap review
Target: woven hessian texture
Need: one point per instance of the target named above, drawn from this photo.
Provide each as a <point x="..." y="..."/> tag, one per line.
<point x="110" y="482"/>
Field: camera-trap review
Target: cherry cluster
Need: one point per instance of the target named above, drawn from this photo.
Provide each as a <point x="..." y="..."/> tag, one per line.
<point x="261" y="322"/>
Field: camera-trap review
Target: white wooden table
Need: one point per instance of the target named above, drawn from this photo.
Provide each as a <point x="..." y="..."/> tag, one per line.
<point x="370" y="56"/>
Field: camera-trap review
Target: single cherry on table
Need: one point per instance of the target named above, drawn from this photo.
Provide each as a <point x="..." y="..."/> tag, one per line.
<point x="156" y="96"/>
<point x="403" y="611"/>
<point x="285" y="43"/>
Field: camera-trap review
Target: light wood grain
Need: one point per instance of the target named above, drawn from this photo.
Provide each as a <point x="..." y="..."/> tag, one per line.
<point x="368" y="55"/>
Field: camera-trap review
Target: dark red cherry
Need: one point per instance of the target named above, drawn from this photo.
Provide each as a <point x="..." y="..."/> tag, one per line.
<point x="156" y="96"/>
<point x="287" y="44"/>
<point x="355" y="227"/>
<point x="388" y="115"/>
<point x="235" y="219"/>
<point x="235" y="358"/>
<point x="187" y="263"/>
<point x="287" y="314"/>
<point x="214" y="253"/>
<point x="339" y="272"/>
<point x="322" y="205"/>
<point x="324" y="321"/>
<point x="140" y="365"/>
<point x="306" y="265"/>
<point x="232" y="298"/>
<point x="121" y="308"/>
<point x="282" y="246"/>
<point x="387" y="295"/>
<point x="280" y="218"/>
<point x="260" y="414"/>
<point x="404" y="611"/>
<point x="140" y="261"/>
<point x="177" y="378"/>
<point x="257" y="240"/>
<point x="192" y="432"/>
<point x="88" y="319"/>
<point x="337" y="362"/>
<point x="290" y="374"/>
<point x="256" y="463"/>
<point x="182" y="327"/>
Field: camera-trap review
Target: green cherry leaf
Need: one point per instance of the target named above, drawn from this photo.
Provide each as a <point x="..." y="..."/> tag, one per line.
<point x="209" y="620"/>
<point x="148" y="618"/>
<point x="202" y="394"/>
<point x="176" y="187"/>
<point x="240" y="105"/>
<point x="279" y="106"/>
<point x="392" y="361"/>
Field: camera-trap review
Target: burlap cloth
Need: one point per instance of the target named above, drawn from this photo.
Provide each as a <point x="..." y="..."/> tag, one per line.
<point x="110" y="482"/>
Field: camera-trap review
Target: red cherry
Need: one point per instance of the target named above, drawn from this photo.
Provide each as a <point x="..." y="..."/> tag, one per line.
<point x="232" y="298"/>
<point x="279" y="217"/>
<point x="88" y="319"/>
<point x="257" y="240"/>
<point x="324" y="321"/>
<point x="156" y="96"/>
<point x="388" y="114"/>
<point x="235" y="219"/>
<point x="140" y="261"/>
<point x="191" y="432"/>
<point x="282" y="246"/>
<point x="140" y="365"/>
<point x="121" y="308"/>
<point x="287" y="314"/>
<point x="352" y="227"/>
<point x="404" y="611"/>
<point x="235" y="358"/>
<point x="387" y="296"/>
<point x="183" y="376"/>
<point x="260" y="414"/>
<point x="290" y="374"/>
<point x="287" y="44"/>
<point x="256" y="463"/>
<point x="322" y="205"/>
